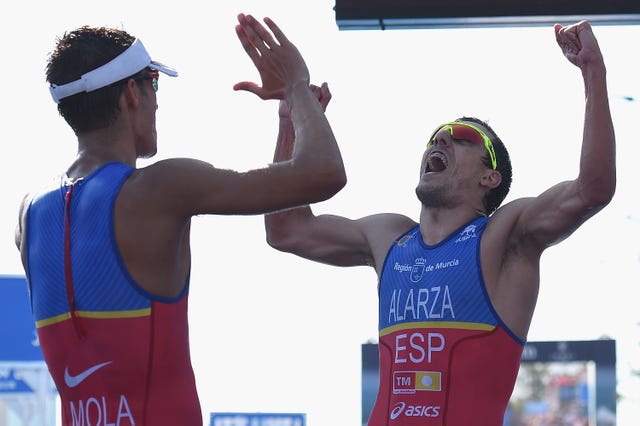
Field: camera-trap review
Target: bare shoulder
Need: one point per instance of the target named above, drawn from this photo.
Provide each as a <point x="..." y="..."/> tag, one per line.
<point x="381" y="230"/>
<point x="175" y="185"/>
<point x="387" y="224"/>
<point x="173" y="172"/>
<point x="504" y="223"/>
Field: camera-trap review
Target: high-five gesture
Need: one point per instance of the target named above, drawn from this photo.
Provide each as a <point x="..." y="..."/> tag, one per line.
<point x="322" y="93"/>
<point x="286" y="136"/>
<point x="278" y="61"/>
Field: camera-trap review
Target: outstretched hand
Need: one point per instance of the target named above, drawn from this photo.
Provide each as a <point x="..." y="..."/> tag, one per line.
<point x="578" y="43"/>
<point x="321" y="93"/>
<point x="278" y="61"/>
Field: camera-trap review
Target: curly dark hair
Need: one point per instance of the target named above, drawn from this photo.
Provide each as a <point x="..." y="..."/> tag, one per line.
<point x="76" y="53"/>
<point x="496" y="196"/>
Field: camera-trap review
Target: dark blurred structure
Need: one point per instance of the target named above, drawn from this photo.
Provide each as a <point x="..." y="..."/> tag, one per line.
<point x="415" y="14"/>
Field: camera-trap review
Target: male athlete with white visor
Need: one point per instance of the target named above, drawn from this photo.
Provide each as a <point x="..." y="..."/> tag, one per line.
<point x="106" y="248"/>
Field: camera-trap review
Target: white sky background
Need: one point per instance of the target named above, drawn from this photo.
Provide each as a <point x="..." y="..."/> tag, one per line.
<point x="274" y="333"/>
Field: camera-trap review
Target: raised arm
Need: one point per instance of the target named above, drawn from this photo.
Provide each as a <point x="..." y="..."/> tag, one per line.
<point x="520" y="231"/>
<point x="559" y="211"/>
<point x="329" y="239"/>
<point x="597" y="177"/>
<point x="314" y="171"/>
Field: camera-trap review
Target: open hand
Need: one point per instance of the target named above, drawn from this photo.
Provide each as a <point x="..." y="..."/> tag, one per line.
<point x="278" y="61"/>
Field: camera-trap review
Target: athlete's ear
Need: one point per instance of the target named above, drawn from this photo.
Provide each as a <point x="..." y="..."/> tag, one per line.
<point x="491" y="178"/>
<point x="131" y="93"/>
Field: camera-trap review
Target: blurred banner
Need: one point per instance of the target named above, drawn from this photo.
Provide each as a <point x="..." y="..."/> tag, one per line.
<point x="257" y="419"/>
<point x="27" y="392"/>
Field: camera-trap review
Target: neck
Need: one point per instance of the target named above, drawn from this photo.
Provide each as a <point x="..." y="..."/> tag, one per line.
<point x="438" y="224"/>
<point x="100" y="147"/>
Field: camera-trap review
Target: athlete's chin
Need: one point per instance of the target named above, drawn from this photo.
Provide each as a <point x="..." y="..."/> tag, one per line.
<point x="149" y="152"/>
<point x="432" y="197"/>
<point x="152" y="147"/>
<point x="147" y="156"/>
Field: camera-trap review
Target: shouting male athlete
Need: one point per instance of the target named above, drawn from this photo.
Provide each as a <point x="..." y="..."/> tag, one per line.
<point x="457" y="290"/>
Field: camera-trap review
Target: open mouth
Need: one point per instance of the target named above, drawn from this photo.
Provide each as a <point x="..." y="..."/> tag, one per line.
<point x="436" y="162"/>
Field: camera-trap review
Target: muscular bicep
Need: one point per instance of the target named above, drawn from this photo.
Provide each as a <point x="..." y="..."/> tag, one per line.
<point x="329" y="239"/>
<point x="527" y="226"/>
<point x="191" y="187"/>
<point x="554" y="215"/>
<point x="335" y="240"/>
<point x="513" y="242"/>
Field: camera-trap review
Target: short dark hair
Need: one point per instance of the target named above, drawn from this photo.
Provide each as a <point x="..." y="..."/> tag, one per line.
<point x="76" y="53"/>
<point x="496" y="196"/>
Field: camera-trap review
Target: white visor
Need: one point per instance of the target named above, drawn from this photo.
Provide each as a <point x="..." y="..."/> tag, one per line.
<point x="128" y="63"/>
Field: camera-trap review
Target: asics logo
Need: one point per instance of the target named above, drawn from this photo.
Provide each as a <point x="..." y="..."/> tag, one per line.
<point x="73" y="381"/>
<point x="414" y="410"/>
<point x="397" y="410"/>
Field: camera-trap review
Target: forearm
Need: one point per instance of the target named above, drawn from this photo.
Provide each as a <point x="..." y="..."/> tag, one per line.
<point x="285" y="140"/>
<point x="278" y="224"/>
<point x="281" y="227"/>
<point x="315" y="144"/>
<point x="598" y="156"/>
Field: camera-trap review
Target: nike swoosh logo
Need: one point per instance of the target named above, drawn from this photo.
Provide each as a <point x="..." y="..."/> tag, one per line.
<point x="73" y="381"/>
